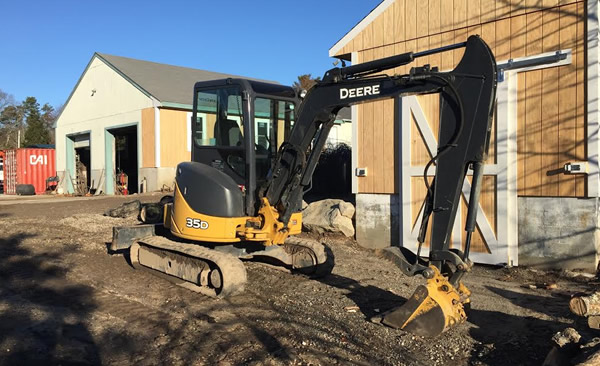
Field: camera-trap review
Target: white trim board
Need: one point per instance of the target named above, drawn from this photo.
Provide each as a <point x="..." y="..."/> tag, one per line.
<point x="355" y="147"/>
<point x="593" y="106"/>
<point x="188" y="118"/>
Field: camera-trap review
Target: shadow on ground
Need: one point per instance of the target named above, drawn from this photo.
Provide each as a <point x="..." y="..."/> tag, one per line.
<point x="42" y="317"/>
<point x="517" y="340"/>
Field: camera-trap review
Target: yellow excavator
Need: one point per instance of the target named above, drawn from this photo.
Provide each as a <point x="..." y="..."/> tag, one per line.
<point x="255" y="148"/>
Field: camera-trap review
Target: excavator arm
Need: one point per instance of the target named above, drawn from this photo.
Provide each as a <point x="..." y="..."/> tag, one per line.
<point x="467" y="97"/>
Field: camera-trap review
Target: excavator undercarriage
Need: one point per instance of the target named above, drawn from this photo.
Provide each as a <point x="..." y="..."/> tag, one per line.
<point x="255" y="148"/>
<point x="216" y="271"/>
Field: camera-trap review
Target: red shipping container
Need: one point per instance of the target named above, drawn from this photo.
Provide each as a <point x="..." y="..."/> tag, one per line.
<point x="28" y="166"/>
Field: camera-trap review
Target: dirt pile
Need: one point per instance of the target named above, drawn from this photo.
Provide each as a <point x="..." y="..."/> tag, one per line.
<point x="96" y="223"/>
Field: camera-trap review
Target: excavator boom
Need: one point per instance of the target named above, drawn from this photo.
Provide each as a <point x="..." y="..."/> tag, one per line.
<point x="467" y="98"/>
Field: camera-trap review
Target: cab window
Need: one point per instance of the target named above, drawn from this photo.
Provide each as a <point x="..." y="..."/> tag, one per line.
<point x="273" y="120"/>
<point x="218" y="118"/>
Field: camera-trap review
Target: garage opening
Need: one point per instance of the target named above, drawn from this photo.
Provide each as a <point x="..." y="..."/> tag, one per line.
<point x="78" y="164"/>
<point x="83" y="163"/>
<point x="125" y="160"/>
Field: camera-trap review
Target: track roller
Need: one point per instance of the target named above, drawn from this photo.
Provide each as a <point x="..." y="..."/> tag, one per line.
<point x="196" y="268"/>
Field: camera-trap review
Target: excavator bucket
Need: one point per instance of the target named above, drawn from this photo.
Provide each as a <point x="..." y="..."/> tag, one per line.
<point x="432" y="309"/>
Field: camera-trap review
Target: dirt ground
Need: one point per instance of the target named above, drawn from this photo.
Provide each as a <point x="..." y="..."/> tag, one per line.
<point x="65" y="300"/>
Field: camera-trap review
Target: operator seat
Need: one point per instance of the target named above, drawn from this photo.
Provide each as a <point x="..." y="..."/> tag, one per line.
<point x="228" y="133"/>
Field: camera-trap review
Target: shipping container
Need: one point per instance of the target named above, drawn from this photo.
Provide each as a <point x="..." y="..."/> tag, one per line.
<point x="28" y="166"/>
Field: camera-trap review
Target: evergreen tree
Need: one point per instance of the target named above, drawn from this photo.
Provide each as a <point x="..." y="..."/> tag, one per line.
<point x="36" y="132"/>
<point x="305" y="82"/>
<point x="49" y="116"/>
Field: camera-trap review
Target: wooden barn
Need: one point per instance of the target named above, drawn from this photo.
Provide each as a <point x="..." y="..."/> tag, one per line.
<point x="532" y="210"/>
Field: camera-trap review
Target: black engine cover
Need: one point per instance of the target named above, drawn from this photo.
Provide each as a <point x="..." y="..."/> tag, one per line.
<point x="209" y="191"/>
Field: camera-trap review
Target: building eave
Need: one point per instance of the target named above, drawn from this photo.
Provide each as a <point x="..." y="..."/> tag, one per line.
<point x="379" y="9"/>
<point x="97" y="55"/>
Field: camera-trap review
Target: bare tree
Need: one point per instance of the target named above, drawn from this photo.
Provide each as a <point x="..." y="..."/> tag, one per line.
<point x="11" y="119"/>
<point x="5" y="100"/>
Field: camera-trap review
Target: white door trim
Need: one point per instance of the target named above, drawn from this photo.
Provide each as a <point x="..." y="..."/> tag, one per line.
<point x="504" y="244"/>
<point x="410" y="105"/>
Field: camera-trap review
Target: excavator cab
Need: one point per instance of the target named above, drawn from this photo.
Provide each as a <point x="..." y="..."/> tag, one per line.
<point x="238" y="126"/>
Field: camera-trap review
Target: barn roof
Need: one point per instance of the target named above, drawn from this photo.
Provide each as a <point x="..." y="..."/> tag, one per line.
<point x="171" y="85"/>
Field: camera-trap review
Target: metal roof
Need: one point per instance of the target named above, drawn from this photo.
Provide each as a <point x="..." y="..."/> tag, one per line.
<point x="166" y="83"/>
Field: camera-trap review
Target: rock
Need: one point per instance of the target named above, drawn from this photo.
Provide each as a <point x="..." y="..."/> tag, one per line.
<point x="565" y="337"/>
<point x="347" y="209"/>
<point x="326" y="216"/>
<point x="566" y="346"/>
<point x="304" y="205"/>
<point x="342" y="223"/>
<point x="126" y="210"/>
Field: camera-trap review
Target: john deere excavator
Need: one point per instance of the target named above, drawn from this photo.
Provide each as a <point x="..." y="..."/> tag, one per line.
<point x="255" y="148"/>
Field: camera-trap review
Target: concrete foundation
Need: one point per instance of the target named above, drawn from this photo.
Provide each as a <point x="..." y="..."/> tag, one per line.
<point x="97" y="180"/>
<point x="558" y="232"/>
<point x="377" y="220"/>
<point x="157" y="177"/>
<point x="554" y="232"/>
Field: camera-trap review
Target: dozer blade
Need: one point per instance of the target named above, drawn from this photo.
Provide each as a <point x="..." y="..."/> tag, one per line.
<point x="432" y="309"/>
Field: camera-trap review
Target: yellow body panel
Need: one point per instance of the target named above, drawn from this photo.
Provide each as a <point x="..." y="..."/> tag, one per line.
<point x="186" y="223"/>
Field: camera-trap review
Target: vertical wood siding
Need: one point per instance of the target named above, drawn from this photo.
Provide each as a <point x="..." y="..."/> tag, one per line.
<point x="148" y="145"/>
<point x="173" y="137"/>
<point x="551" y="114"/>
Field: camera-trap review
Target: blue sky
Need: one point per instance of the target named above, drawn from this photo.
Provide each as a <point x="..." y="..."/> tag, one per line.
<point x="47" y="44"/>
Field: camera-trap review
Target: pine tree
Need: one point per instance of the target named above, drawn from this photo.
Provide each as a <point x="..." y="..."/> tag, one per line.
<point x="49" y="116"/>
<point x="305" y="82"/>
<point x="36" y="132"/>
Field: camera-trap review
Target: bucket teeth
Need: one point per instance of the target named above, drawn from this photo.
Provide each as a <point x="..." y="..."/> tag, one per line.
<point x="432" y="309"/>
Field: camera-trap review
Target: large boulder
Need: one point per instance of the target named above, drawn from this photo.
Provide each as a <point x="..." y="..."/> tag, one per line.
<point x="127" y="209"/>
<point x="330" y="215"/>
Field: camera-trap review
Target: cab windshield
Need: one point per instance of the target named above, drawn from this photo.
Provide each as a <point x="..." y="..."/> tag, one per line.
<point x="219" y="123"/>
<point x="219" y="119"/>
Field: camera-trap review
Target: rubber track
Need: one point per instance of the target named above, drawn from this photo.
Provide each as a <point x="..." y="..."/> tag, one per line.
<point x="325" y="259"/>
<point x="232" y="269"/>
